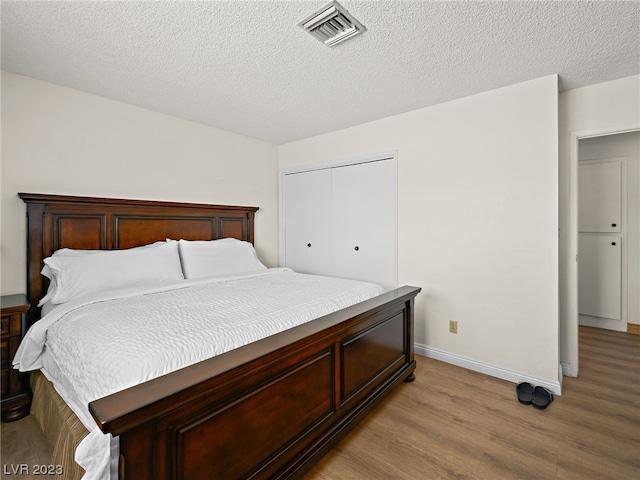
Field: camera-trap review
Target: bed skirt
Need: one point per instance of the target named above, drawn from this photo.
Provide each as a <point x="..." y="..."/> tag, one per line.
<point x="61" y="427"/>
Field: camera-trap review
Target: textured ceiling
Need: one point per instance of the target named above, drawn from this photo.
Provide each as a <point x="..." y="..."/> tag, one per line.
<point x="246" y="67"/>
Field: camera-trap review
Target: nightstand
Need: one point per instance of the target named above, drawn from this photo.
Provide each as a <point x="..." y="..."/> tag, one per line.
<point x="16" y="395"/>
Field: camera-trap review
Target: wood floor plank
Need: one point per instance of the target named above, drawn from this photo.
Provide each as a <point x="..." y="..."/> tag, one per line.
<point x="502" y="461"/>
<point x="577" y="464"/>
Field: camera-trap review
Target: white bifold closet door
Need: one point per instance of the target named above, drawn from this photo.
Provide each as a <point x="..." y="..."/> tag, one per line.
<point x="364" y="222"/>
<point x="307" y="219"/>
<point x="341" y="221"/>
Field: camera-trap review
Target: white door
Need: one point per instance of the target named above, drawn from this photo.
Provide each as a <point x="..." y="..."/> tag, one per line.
<point x="364" y="222"/>
<point x="599" y="275"/>
<point x="307" y="212"/>
<point x="600" y="243"/>
<point x="600" y="197"/>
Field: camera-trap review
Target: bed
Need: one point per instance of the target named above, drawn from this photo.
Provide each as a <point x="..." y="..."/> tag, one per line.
<point x="305" y="386"/>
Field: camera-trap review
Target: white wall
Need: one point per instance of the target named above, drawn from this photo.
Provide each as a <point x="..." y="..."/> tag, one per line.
<point x="624" y="145"/>
<point x="608" y="107"/>
<point x="478" y="219"/>
<point x="62" y="141"/>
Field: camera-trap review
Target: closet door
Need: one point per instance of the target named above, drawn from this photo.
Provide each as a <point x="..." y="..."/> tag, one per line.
<point x="364" y="222"/>
<point x="599" y="276"/>
<point x="600" y="197"/>
<point x="307" y="217"/>
<point x="600" y="239"/>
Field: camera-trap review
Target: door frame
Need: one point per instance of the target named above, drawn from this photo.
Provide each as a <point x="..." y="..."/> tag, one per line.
<point x="571" y="260"/>
<point x="386" y="155"/>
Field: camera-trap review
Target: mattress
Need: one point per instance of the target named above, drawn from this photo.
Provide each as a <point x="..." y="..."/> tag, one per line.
<point x="94" y="346"/>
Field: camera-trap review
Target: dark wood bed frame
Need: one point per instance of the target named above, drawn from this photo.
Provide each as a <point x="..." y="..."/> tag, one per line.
<point x="267" y="410"/>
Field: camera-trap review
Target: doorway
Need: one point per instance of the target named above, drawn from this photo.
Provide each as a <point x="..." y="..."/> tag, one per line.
<point x="579" y="139"/>
<point x="608" y="226"/>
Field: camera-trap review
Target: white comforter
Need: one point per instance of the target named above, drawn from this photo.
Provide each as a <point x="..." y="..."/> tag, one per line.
<point x="92" y="347"/>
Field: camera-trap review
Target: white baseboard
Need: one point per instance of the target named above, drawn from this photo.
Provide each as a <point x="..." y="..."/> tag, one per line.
<point x="606" y="323"/>
<point x="554" y="386"/>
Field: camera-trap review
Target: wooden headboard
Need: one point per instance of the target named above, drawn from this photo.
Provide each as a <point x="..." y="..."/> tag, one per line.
<point x="88" y="223"/>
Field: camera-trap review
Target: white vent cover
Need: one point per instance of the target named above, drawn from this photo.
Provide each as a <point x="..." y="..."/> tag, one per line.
<point x="332" y="24"/>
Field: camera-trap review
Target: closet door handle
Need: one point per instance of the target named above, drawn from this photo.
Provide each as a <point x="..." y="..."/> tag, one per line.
<point x="613" y="225"/>
<point x="309" y="245"/>
<point x="613" y="243"/>
<point x="357" y="248"/>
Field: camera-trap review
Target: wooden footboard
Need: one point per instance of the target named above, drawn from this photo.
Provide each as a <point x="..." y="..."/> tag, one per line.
<point x="269" y="409"/>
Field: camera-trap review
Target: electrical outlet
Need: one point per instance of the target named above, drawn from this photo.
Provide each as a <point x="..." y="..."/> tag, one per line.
<point x="453" y="326"/>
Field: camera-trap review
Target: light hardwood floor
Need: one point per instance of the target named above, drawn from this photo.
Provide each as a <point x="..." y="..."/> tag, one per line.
<point x="455" y="423"/>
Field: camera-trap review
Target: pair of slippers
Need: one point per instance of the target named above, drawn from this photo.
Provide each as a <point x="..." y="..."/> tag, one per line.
<point x="539" y="397"/>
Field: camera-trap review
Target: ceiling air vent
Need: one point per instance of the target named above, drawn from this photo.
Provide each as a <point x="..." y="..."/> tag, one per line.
<point x="332" y="24"/>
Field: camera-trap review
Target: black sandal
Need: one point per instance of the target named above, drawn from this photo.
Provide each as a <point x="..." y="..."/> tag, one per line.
<point x="525" y="393"/>
<point x="541" y="398"/>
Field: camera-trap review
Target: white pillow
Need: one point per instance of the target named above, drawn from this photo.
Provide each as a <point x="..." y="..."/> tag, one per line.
<point x="214" y="258"/>
<point x="46" y="271"/>
<point x="78" y="274"/>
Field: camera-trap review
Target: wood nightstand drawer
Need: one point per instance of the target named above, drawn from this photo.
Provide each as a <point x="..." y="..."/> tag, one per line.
<point x="12" y="326"/>
<point x="4" y="355"/>
<point x="16" y="396"/>
<point x="4" y="326"/>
